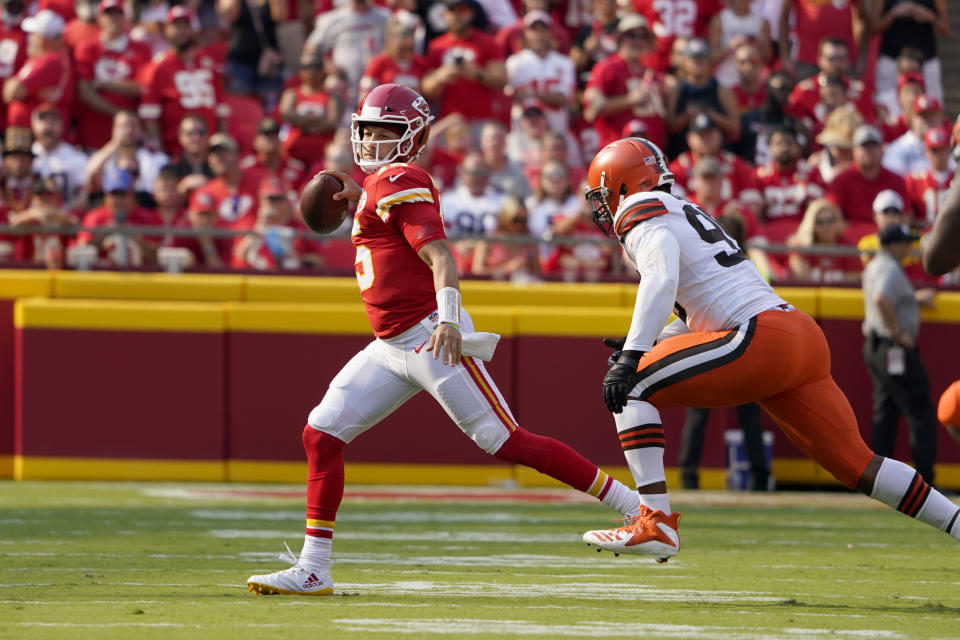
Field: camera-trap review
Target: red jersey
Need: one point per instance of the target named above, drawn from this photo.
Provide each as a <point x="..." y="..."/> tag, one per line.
<point x="398" y="213"/>
<point x="78" y="31"/>
<point x="827" y="269"/>
<point x="13" y="53"/>
<point x="670" y="19"/>
<point x="613" y="77"/>
<point x="927" y="192"/>
<point x="749" y="101"/>
<point x="854" y="194"/>
<point x="175" y="88"/>
<point x="47" y="78"/>
<point x="221" y="247"/>
<point x="385" y="69"/>
<point x="103" y="217"/>
<point x="292" y="172"/>
<point x="117" y="62"/>
<point x="471" y="98"/>
<point x="308" y="147"/>
<point x="805" y="97"/>
<point x="819" y="19"/>
<point x="786" y="194"/>
<point x="894" y="128"/>
<point x="235" y="206"/>
<point x="737" y="176"/>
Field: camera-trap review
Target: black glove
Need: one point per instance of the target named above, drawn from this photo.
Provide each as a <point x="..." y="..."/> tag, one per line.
<point x="617" y="345"/>
<point x="617" y="384"/>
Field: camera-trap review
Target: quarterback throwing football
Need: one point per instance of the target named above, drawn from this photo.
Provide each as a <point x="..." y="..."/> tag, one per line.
<point x="424" y="339"/>
<point x="734" y="341"/>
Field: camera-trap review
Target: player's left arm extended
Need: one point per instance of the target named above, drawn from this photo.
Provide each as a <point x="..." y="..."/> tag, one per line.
<point x="657" y="255"/>
<point x="446" y="340"/>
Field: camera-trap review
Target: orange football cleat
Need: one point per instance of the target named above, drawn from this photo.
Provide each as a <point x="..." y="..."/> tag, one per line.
<point x="651" y="533"/>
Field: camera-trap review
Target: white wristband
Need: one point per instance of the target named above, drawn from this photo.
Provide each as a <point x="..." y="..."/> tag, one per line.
<point x="448" y="306"/>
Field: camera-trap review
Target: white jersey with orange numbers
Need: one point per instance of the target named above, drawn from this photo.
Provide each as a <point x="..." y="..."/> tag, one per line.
<point x="687" y="264"/>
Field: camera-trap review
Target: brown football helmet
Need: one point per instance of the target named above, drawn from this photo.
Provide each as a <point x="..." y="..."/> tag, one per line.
<point x="622" y="168"/>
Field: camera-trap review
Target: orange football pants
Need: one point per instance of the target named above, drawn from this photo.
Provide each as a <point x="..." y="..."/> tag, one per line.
<point x="779" y="359"/>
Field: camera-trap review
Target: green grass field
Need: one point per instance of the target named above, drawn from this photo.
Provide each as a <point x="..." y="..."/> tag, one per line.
<point x="123" y="560"/>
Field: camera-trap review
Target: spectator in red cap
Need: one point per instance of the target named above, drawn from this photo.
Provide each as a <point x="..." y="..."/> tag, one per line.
<point x="539" y="71"/>
<point x="927" y="188"/>
<point x="814" y="22"/>
<point x="106" y="69"/>
<point x="895" y="114"/>
<point x="206" y="250"/>
<point x="672" y="19"/>
<point x="181" y="82"/>
<point x="275" y="244"/>
<point x="622" y="88"/>
<point x="855" y="189"/>
<point x="13" y="44"/>
<point x="915" y="25"/>
<point x="511" y="37"/>
<point x="311" y="110"/>
<point x="55" y="158"/>
<point x="46" y="76"/>
<point x="468" y="70"/>
<point x="907" y="153"/>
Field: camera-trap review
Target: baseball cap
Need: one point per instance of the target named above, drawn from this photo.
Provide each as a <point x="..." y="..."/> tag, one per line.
<point x="697" y="48"/>
<point x="17" y="140"/>
<point x="887" y="199"/>
<point x="532" y="105"/>
<point x="200" y="201"/>
<point x="271" y="187"/>
<point x="222" y="141"/>
<point x="107" y="5"/>
<point x="926" y="103"/>
<point x="45" y="108"/>
<point x="708" y="167"/>
<point x="908" y="77"/>
<point x="937" y="138"/>
<point x="702" y="122"/>
<point x="537" y="15"/>
<point x="896" y="233"/>
<point x="632" y="22"/>
<point x="46" y="23"/>
<point x="180" y="12"/>
<point x="866" y="134"/>
<point x="117" y="180"/>
<point x="635" y="127"/>
<point x="268" y="126"/>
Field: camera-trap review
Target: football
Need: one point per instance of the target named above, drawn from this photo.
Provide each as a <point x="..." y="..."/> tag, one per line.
<point x="318" y="209"/>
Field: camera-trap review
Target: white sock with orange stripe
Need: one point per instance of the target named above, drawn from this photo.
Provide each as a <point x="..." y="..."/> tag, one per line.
<point x="316" y="553"/>
<point x="641" y="438"/>
<point x="901" y="487"/>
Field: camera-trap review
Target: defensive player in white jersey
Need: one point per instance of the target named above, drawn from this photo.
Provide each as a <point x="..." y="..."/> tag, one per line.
<point x="734" y="341"/>
<point x="424" y="340"/>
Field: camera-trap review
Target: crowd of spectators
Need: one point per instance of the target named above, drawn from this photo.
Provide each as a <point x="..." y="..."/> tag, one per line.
<point x="799" y="124"/>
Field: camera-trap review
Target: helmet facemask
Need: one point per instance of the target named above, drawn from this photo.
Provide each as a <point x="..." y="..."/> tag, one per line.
<point x="398" y="149"/>
<point x="599" y="198"/>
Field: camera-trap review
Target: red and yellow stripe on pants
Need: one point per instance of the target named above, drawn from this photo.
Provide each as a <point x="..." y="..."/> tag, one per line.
<point x="781" y="360"/>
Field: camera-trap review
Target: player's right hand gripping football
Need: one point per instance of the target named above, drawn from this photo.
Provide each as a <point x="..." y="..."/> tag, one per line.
<point x="351" y="190"/>
<point x="617" y="383"/>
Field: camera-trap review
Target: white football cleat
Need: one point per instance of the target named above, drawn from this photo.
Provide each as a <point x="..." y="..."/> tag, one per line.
<point x="651" y="533"/>
<point x="295" y="581"/>
<point x="298" y="580"/>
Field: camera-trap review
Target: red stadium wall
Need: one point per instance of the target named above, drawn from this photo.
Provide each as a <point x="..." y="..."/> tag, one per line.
<point x="220" y="388"/>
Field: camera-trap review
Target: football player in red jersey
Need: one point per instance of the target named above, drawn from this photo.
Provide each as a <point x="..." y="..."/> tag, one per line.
<point x="424" y="339"/>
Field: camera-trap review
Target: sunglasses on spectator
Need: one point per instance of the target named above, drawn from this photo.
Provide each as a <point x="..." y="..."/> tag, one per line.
<point x="639" y="34"/>
<point x="830" y="220"/>
<point x="554" y="175"/>
<point x="194" y="132"/>
<point x="751" y="60"/>
<point x="836" y="58"/>
<point x="476" y="172"/>
<point x="892" y="211"/>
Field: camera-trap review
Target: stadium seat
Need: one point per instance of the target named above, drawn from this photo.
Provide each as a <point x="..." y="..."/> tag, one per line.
<point x="245" y="115"/>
